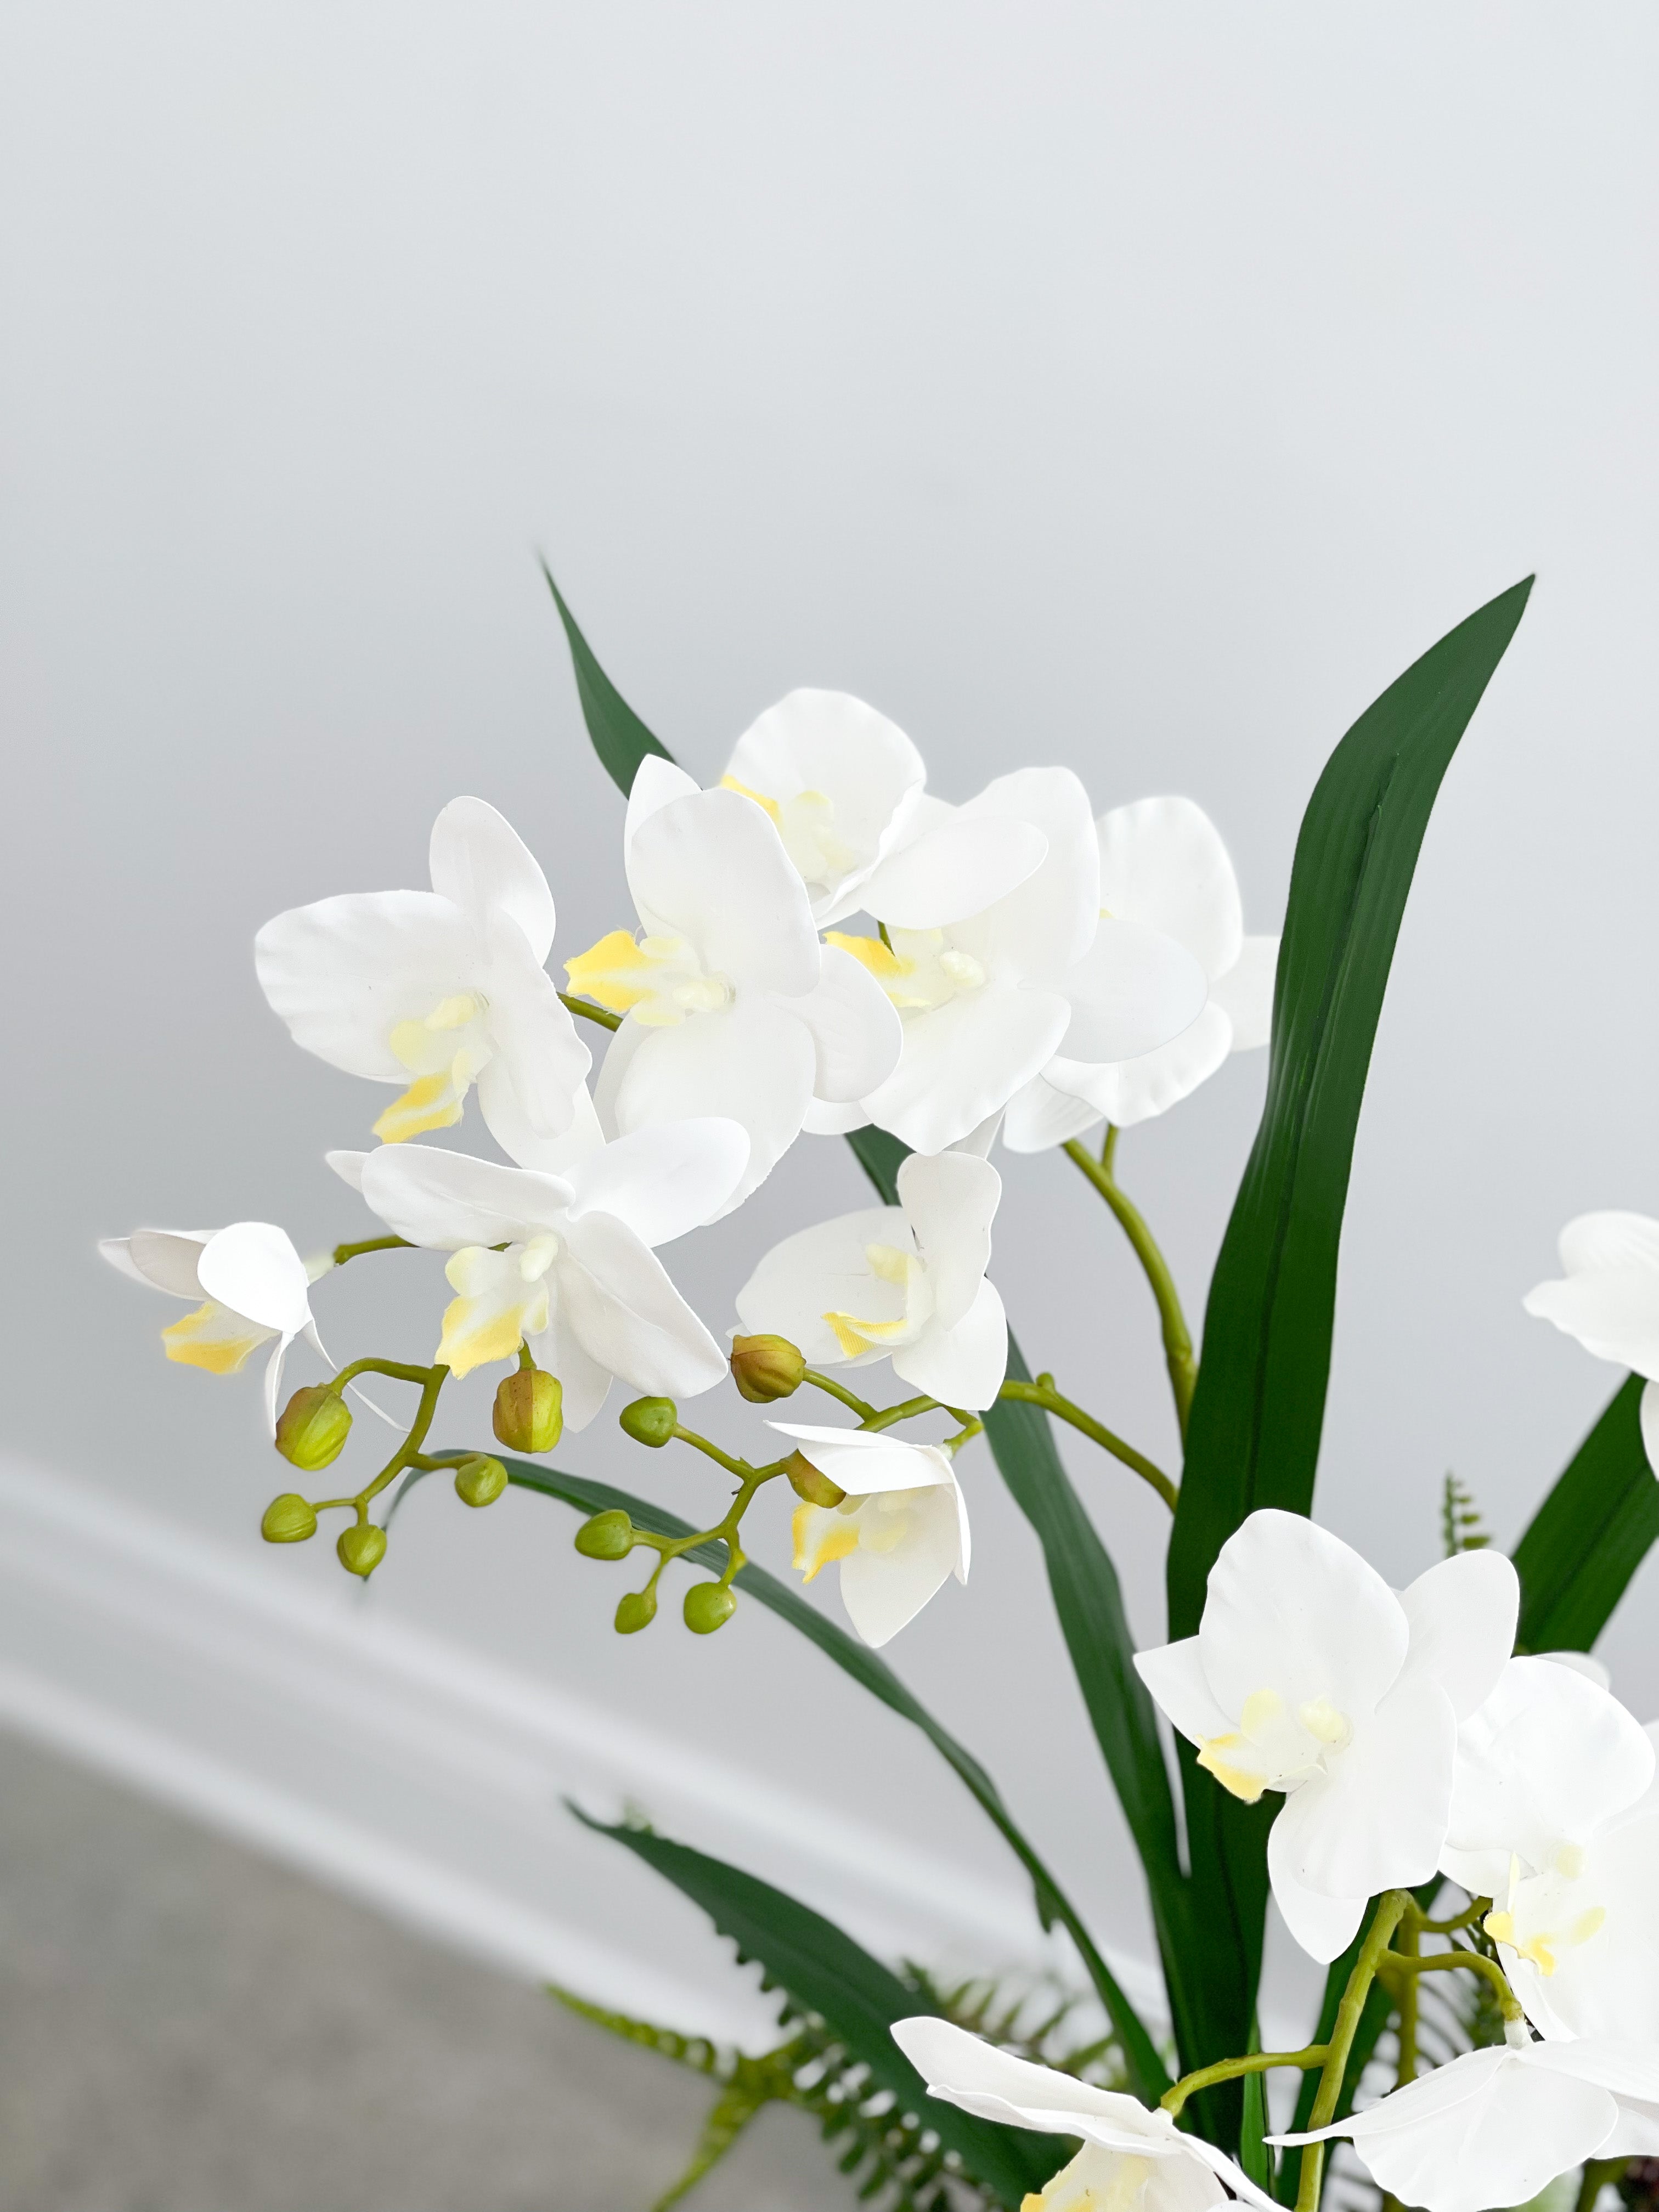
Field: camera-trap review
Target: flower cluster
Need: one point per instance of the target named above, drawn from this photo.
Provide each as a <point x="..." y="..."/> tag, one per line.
<point x="1021" y="971"/>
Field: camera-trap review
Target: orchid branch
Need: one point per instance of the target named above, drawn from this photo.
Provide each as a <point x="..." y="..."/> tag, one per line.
<point x="1229" y="2069"/>
<point x="1177" y="1337"/>
<point x="1391" y="1963"/>
<point x="342" y="1252"/>
<point x="1043" y="1393"/>
<point x="591" y="1012"/>
<point x="850" y="1399"/>
<point x="1390" y="1910"/>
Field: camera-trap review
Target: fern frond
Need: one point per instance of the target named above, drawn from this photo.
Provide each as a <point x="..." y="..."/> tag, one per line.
<point x="1461" y="1528"/>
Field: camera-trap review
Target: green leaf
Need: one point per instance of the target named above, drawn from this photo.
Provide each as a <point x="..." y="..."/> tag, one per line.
<point x="1253" y="1437"/>
<point x="881" y="1155"/>
<point x="1590" y="1533"/>
<point x="620" y="737"/>
<point x="1147" y="2076"/>
<point x="823" y="1971"/>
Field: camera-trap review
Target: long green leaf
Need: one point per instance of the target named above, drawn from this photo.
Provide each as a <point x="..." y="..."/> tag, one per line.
<point x="620" y="738"/>
<point x="1148" y="2077"/>
<point x="1253" y="1437"/>
<point x="1590" y="1533"/>
<point x="823" y="1970"/>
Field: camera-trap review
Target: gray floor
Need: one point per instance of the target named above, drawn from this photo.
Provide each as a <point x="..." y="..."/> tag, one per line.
<point x="184" y="2027"/>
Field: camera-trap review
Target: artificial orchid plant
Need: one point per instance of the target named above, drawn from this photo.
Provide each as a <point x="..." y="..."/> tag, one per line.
<point x="1435" y="1785"/>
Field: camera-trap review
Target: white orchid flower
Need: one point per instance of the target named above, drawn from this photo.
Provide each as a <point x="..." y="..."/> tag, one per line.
<point x="1494" y="2126"/>
<point x="840" y="783"/>
<point x="577" y="1280"/>
<point x="1132" y="2159"/>
<point x="900" y="1532"/>
<point x="1609" y="1300"/>
<point x="904" y="1281"/>
<point x="253" y="1286"/>
<point x="1309" y="1676"/>
<point x="732" y="1006"/>
<point x="438" y="990"/>
<point x="1163" y="870"/>
<point x="994" y="949"/>
<point x="1555" y="1815"/>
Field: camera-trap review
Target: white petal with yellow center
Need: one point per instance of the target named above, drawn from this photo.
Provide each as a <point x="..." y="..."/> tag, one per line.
<point x="502" y="1298"/>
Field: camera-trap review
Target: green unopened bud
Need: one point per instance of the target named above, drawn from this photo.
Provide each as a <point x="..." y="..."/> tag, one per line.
<point x="650" y="1420"/>
<point x="312" y="1427"/>
<point x="606" y="1536"/>
<point x="480" y="1481"/>
<point x="288" y="1520"/>
<point x="361" y="1548"/>
<point x="708" y="1606"/>
<point x="766" y="1368"/>
<point x="637" y="1611"/>
<point x="811" y="1483"/>
<point x="529" y="1415"/>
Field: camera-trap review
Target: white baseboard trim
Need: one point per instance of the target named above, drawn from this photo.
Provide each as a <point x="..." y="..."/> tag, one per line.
<point x="428" y="1782"/>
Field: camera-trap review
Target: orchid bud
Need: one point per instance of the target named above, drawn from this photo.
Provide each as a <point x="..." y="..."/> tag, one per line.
<point x="766" y="1368"/>
<point x="637" y="1611"/>
<point x="529" y="1415"/>
<point x="810" y="1483"/>
<point x="708" y="1606"/>
<point x="480" y="1481"/>
<point x="606" y="1536"/>
<point x="288" y="1520"/>
<point x="361" y="1548"/>
<point x="312" y="1427"/>
<point x="650" y="1420"/>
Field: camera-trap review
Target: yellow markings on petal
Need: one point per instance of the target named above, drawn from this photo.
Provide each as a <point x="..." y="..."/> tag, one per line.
<point x="1587" y="1924"/>
<point x="213" y="1339"/>
<point x="1569" y="1860"/>
<point x="610" y="972"/>
<point x="431" y="1102"/>
<point x="476" y="1332"/>
<point x="1500" y="1926"/>
<point x="884" y="963"/>
<point x="768" y="806"/>
<point x="855" y="1336"/>
<point x="504" y="1298"/>
<point x="1259" y="1712"/>
<point x="1324" y="1722"/>
<point x="1234" y="1779"/>
<point x="824" y="1533"/>
<point x="889" y="1264"/>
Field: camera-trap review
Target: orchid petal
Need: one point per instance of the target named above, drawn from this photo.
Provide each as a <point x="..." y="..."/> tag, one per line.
<point x="348" y="1165"/>
<point x="968" y="2072"/>
<point x="480" y="864"/>
<point x="539" y="1053"/>
<point x="664" y="1180"/>
<point x="586" y="1384"/>
<point x="1162" y="863"/>
<point x="1597" y="1244"/>
<point x="824" y="1270"/>
<point x="1292" y="1608"/>
<point x="1321" y="1926"/>
<point x="958" y="866"/>
<point x="709" y="868"/>
<point x="559" y="1156"/>
<point x="253" y="1269"/>
<point x="1039" y="1117"/>
<point x="656" y="782"/>
<point x="883" y="1592"/>
<point x="167" y="1258"/>
<point x="1462" y="1615"/>
<point x="1649" y="1416"/>
<point x="1376" y="1819"/>
<point x="449" y="1200"/>
<point x="1174" y="1673"/>
<point x="343" y="973"/>
<point x="1134" y="989"/>
<point x="951" y="1200"/>
<point x="965" y="1060"/>
<point x="751" y="1062"/>
<point x="1245" y="993"/>
<point x="626" y="1313"/>
<point x="855" y="1028"/>
<point x="825" y="1121"/>
<point x="963" y="1365"/>
<point x="1613" y="1314"/>
<point x="1127" y="1091"/>
<point x="866" y="1465"/>
<point x="1044" y="926"/>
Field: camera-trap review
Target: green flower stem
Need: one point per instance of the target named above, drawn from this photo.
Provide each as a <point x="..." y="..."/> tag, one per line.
<point x="407" y="1454"/>
<point x="1390" y="1910"/>
<point x="724" y="1532"/>
<point x="1477" y="1910"/>
<point x="1044" y="1394"/>
<point x="907" y="1412"/>
<point x="740" y="1468"/>
<point x="1394" y="1962"/>
<point x="1177" y="1337"/>
<point x="342" y="1252"/>
<point x="1598" y="2172"/>
<point x="590" y="1012"/>
<point x="391" y="1367"/>
<point x="861" y="1406"/>
<point x="1229" y="2069"/>
<point x="1408" y="1938"/>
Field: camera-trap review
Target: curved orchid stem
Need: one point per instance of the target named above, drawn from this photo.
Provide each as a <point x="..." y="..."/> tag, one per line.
<point x="590" y="1012"/>
<point x="1390" y="1910"/>
<point x="1476" y="1962"/>
<point x="1178" y="1353"/>
<point x="1043" y="1393"/>
<point x="850" y="1399"/>
<point x="342" y="1252"/>
<point x="1229" y="2069"/>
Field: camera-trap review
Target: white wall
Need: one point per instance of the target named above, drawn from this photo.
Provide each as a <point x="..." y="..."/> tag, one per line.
<point x="1139" y="386"/>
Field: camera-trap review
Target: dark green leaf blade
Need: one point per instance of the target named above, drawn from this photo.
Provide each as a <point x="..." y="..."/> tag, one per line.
<point x="1590" y="1533"/>
<point x="1256" y="1418"/>
<point x="881" y="1155"/>
<point x="620" y="738"/>
<point x="1147" y="2075"/>
<point x="822" y="1969"/>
